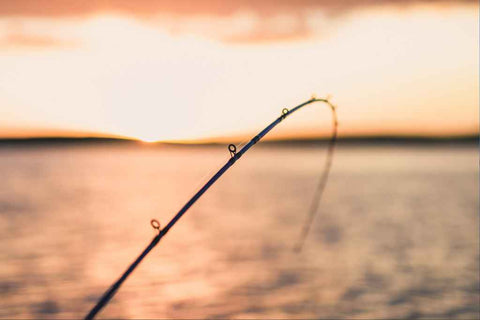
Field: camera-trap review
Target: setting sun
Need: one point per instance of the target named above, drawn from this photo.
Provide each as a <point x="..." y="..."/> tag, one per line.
<point x="123" y="120"/>
<point x="152" y="79"/>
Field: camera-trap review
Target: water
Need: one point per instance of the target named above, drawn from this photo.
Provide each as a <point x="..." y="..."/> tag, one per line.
<point x="397" y="235"/>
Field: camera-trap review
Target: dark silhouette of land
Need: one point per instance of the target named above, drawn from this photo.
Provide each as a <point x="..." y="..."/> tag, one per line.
<point x="346" y="140"/>
<point x="39" y="141"/>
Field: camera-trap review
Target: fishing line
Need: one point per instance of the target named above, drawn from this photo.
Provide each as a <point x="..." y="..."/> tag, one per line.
<point x="235" y="154"/>
<point x="322" y="182"/>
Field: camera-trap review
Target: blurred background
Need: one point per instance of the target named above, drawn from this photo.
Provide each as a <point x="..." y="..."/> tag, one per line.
<point x="115" y="112"/>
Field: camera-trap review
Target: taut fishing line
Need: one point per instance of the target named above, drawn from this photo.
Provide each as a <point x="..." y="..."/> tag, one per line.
<point x="235" y="154"/>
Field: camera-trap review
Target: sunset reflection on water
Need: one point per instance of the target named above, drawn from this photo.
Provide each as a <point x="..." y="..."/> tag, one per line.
<point x="397" y="235"/>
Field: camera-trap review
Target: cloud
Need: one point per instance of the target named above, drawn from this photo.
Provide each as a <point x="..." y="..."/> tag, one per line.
<point x="270" y="20"/>
<point x="61" y="8"/>
<point x="277" y="28"/>
<point x="23" y="40"/>
<point x="18" y="35"/>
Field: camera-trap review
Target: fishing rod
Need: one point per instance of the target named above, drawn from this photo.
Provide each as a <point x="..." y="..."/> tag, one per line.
<point x="234" y="156"/>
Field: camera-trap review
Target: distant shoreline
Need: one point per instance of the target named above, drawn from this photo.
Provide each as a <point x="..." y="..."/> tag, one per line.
<point x="351" y="140"/>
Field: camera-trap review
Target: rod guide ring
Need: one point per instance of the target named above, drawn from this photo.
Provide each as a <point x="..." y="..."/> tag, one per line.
<point x="233" y="149"/>
<point x="155" y="224"/>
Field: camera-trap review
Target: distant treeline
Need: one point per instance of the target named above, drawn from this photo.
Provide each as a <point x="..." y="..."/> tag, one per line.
<point x="63" y="140"/>
<point x="351" y="140"/>
<point x="385" y="140"/>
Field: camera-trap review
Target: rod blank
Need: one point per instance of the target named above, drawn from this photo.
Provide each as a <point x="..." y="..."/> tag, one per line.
<point x="108" y="295"/>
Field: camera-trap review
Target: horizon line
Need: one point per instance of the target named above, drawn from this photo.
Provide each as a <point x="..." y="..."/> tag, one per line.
<point x="371" y="138"/>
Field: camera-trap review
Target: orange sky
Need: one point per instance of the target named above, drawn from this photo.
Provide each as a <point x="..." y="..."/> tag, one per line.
<point x="161" y="70"/>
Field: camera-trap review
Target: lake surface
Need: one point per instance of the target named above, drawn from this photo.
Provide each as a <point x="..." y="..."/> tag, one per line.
<point x="396" y="236"/>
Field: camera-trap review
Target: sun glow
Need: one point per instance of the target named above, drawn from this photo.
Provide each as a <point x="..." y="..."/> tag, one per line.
<point x="137" y="79"/>
<point x="148" y="140"/>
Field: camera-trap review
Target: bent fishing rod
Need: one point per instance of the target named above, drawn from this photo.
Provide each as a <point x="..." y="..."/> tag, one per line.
<point x="234" y="156"/>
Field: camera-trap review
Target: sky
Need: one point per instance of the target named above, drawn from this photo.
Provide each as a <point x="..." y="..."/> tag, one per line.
<point x="210" y="69"/>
